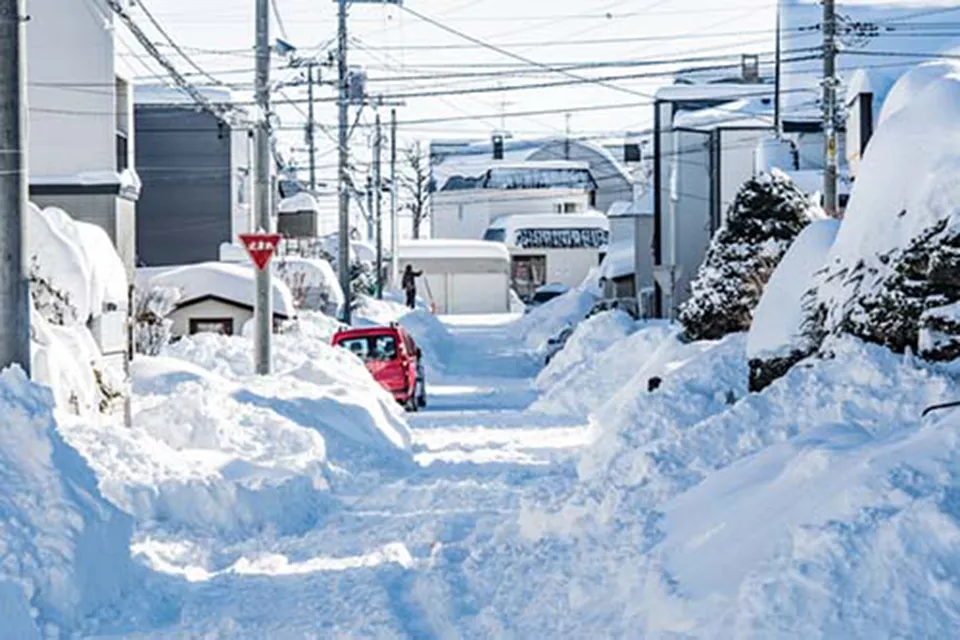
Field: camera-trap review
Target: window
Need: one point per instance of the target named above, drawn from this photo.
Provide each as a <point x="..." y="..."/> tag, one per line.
<point x="123" y="152"/>
<point x="528" y="273"/>
<point x="223" y="326"/>
<point x="495" y="235"/>
<point x="380" y="348"/>
<point x="569" y="207"/>
<point x="631" y="153"/>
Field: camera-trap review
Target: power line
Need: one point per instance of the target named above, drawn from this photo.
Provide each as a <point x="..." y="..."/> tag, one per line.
<point x="170" y="40"/>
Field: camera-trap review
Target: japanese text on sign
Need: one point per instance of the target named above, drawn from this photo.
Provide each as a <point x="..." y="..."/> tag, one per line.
<point x="562" y="238"/>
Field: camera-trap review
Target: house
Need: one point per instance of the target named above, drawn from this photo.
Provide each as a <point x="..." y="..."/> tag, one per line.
<point x="627" y="268"/>
<point x="215" y="297"/>
<point x="611" y="179"/>
<point x="467" y="201"/>
<point x="197" y="170"/>
<point x="80" y="119"/>
<point x="550" y="248"/>
<point x="81" y="139"/>
<point x="705" y="136"/>
<point x="460" y="276"/>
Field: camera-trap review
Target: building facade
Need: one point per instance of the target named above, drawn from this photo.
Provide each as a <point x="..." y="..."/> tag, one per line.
<point x="81" y="153"/>
<point x="197" y="174"/>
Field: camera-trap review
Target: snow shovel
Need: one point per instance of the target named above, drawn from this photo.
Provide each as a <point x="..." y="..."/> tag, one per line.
<point x="433" y="306"/>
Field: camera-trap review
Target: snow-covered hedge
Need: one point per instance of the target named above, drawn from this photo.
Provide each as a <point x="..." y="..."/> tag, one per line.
<point x="767" y="214"/>
<point x="891" y="276"/>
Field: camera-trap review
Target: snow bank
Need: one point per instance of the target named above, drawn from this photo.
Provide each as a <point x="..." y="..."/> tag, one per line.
<point x="64" y="551"/>
<point x="777" y="320"/>
<point x="230" y="281"/>
<point x="217" y="450"/>
<point x="590" y="338"/>
<point x="430" y="334"/>
<point x="548" y="319"/>
<point x="589" y="385"/>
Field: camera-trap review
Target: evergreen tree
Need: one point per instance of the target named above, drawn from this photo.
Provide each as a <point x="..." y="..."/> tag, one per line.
<point x="764" y="219"/>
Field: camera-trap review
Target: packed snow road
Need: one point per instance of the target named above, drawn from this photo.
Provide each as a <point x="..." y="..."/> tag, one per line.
<point x="384" y="558"/>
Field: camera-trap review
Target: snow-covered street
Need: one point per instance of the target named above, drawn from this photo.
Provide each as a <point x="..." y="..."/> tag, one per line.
<point x="382" y="559"/>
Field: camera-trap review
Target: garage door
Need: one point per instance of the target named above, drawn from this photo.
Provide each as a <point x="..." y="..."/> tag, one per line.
<point x="477" y="293"/>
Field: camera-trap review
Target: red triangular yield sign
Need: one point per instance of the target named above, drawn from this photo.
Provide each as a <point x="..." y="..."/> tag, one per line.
<point x="260" y="247"/>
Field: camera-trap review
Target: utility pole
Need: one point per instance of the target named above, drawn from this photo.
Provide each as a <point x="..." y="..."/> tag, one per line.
<point x="378" y="186"/>
<point x="830" y="108"/>
<point x="14" y="285"/>
<point x="776" y="78"/>
<point x="566" y="139"/>
<point x="343" y="236"/>
<point x="394" y="226"/>
<point x="263" y="309"/>
<point x="311" y="142"/>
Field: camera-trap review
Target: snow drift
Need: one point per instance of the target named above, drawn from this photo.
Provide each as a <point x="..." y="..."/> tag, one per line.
<point x="64" y="551"/>
<point x="589" y="339"/>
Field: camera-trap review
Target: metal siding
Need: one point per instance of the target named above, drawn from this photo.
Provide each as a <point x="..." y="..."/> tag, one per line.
<point x="185" y="208"/>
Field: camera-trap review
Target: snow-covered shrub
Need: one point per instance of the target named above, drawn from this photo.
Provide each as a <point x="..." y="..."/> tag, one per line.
<point x="767" y="214"/>
<point x="51" y="303"/>
<point x="313" y="283"/>
<point x="892" y="276"/>
<point x="153" y="328"/>
<point x="363" y="280"/>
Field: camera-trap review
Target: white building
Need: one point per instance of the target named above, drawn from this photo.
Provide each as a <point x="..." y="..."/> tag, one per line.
<point x="551" y="248"/>
<point x="465" y="203"/>
<point x="80" y="119"/>
<point x="460" y="276"/>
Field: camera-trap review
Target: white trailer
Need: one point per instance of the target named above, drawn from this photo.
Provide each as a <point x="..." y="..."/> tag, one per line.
<point x="460" y="276"/>
<point x="551" y="248"/>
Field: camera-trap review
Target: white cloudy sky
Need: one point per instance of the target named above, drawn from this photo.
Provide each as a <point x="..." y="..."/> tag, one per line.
<point x="392" y="43"/>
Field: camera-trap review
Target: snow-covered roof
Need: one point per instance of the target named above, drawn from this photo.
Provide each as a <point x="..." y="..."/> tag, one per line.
<point x="743" y="113"/>
<point x="552" y="221"/>
<point x="302" y="201"/>
<point x="643" y="206"/>
<point x="437" y="248"/>
<point x="869" y="80"/>
<point x="160" y="95"/>
<point x="230" y="282"/>
<point x="450" y="159"/>
<point x="719" y="91"/>
<point x="619" y="261"/>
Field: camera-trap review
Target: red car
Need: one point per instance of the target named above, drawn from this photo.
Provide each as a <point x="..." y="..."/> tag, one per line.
<point x="392" y="358"/>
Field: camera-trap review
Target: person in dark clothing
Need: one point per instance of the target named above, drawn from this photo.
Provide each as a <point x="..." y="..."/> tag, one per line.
<point x="409" y="284"/>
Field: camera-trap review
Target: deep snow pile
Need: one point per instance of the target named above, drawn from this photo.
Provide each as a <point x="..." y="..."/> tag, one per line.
<point x="75" y="276"/>
<point x="215" y="448"/>
<point x="793" y="512"/>
<point x="891" y="276"/>
<point x="550" y="318"/>
<point x="778" y="337"/>
<point x="587" y="386"/>
<point x="590" y="338"/>
<point x="64" y="550"/>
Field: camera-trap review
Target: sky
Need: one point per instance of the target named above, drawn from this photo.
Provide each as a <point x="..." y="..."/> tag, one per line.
<point x="405" y="54"/>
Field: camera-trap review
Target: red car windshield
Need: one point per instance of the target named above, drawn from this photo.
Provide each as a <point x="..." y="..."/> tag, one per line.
<point x="376" y="348"/>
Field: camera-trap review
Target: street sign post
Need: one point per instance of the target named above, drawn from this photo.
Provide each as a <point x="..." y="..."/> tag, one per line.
<point x="261" y="247"/>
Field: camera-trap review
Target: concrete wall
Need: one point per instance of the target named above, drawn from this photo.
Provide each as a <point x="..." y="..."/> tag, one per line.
<point x="737" y="150"/>
<point x="71" y="87"/>
<point x="241" y="181"/>
<point x="185" y="209"/>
